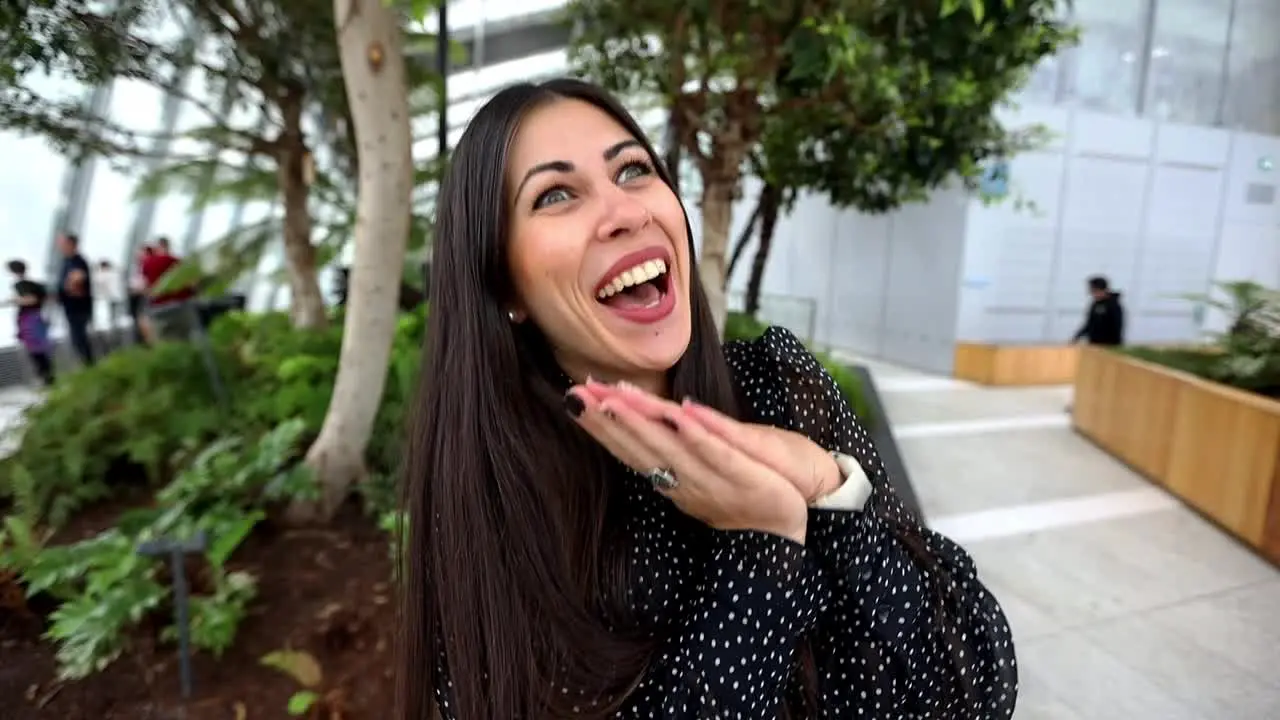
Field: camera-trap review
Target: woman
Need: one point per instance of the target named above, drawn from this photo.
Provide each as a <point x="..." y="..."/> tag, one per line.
<point x="614" y="516"/>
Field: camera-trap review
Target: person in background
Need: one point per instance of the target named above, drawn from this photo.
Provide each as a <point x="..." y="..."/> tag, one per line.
<point x="138" y="297"/>
<point x="107" y="288"/>
<point x="1104" y="322"/>
<point x="75" y="295"/>
<point x="33" y="329"/>
<point x="164" y="311"/>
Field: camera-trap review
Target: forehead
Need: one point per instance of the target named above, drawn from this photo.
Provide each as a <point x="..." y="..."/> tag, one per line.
<point x="564" y="130"/>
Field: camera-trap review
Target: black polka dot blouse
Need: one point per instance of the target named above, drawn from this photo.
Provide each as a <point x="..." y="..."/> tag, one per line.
<point x="888" y="618"/>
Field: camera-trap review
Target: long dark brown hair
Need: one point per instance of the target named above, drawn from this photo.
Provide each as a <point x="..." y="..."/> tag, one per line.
<point x="515" y="570"/>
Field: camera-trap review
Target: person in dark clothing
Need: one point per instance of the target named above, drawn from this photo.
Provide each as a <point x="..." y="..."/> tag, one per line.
<point x="33" y="330"/>
<point x="75" y="295"/>
<point x="1104" y="322"/>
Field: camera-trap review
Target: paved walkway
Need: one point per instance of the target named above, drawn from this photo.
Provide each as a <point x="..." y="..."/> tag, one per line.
<point x="1124" y="604"/>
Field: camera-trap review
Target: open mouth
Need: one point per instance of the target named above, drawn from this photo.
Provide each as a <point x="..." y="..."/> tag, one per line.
<point x="641" y="286"/>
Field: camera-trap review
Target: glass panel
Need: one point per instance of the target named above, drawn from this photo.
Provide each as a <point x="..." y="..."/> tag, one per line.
<point x="467" y="13"/>
<point x="111" y="205"/>
<point x="1188" y="51"/>
<point x="29" y="200"/>
<point x="1253" y="84"/>
<point x="1107" y="66"/>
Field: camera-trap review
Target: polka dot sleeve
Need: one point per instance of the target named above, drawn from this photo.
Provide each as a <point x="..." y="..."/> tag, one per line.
<point x="910" y="630"/>
<point x="733" y="654"/>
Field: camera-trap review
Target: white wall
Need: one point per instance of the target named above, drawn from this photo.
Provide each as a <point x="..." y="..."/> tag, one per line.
<point x="1160" y="209"/>
<point x="885" y="286"/>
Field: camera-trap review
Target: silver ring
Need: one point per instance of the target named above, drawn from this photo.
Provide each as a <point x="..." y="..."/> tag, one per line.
<point x="663" y="479"/>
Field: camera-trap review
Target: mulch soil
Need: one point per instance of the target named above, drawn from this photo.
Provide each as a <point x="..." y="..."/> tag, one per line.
<point x="325" y="591"/>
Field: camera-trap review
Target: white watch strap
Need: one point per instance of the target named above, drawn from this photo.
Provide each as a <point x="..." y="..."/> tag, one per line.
<point x="853" y="492"/>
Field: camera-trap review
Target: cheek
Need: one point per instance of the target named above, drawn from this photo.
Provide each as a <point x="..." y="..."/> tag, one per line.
<point x="542" y="266"/>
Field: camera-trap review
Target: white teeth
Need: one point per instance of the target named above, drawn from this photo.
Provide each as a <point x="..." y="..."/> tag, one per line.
<point x="643" y="272"/>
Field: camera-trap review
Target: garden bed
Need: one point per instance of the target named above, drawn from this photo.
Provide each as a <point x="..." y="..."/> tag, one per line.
<point x="1016" y="365"/>
<point x="1215" y="447"/>
<point x="325" y="591"/>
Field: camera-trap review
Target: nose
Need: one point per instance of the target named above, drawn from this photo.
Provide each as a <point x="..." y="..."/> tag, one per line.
<point x="623" y="215"/>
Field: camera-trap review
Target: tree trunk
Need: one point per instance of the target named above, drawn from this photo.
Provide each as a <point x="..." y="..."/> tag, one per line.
<point x="371" y="47"/>
<point x="672" y="156"/>
<point x="717" y="215"/>
<point x="770" y="202"/>
<point x="306" y="302"/>
<point x="744" y="239"/>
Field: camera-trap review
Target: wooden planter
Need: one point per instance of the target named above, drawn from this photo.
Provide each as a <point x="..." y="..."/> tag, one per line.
<point x="1016" y="365"/>
<point x="1214" y="447"/>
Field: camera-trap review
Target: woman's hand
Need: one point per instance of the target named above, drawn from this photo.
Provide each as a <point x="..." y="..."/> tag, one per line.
<point x="716" y="482"/>
<point x="809" y="468"/>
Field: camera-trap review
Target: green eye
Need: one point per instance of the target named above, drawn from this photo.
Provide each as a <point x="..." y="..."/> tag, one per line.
<point x="634" y="170"/>
<point x="550" y="197"/>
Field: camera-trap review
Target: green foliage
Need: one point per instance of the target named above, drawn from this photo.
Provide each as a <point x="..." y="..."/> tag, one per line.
<point x="873" y="103"/>
<point x="141" y="413"/>
<point x="740" y="326"/>
<point x="126" y="419"/>
<point x="105" y="588"/>
<point x="1247" y="355"/>
<point x="305" y="670"/>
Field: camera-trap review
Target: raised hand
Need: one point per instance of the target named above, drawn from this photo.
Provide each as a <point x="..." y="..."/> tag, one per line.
<point x="808" y="467"/>
<point x="716" y="482"/>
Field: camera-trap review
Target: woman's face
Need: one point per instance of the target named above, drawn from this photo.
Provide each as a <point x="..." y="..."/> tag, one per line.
<point x="599" y="251"/>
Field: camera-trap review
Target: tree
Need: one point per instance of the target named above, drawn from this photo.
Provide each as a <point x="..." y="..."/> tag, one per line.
<point x="370" y="40"/>
<point x="846" y="97"/>
<point x="274" y="63"/>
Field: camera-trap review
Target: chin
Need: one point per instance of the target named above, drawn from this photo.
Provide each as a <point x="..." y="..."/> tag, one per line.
<point x="658" y="350"/>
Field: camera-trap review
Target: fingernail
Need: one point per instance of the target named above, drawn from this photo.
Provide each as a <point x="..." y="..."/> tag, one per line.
<point x="607" y="411"/>
<point x="573" y="404"/>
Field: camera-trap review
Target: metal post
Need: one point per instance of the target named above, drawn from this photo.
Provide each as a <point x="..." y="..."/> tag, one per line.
<point x="442" y="64"/>
<point x="176" y="551"/>
<point x="184" y="623"/>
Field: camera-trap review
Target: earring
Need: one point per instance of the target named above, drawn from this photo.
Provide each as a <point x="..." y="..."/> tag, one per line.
<point x="511" y="315"/>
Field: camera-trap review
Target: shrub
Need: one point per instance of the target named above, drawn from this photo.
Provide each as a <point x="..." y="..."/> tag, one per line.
<point x="1246" y="356"/>
<point x="141" y="412"/>
<point x="124" y="419"/>
<point x="105" y="589"/>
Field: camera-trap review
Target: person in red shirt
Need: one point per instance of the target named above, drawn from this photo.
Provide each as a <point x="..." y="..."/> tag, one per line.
<point x="162" y="307"/>
<point x="154" y="265"/>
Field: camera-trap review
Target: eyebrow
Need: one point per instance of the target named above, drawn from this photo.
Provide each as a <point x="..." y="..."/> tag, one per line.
<point x="561" y="166"/>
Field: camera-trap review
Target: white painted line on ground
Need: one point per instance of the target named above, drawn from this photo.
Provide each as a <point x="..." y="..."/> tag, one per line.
<point x="1037" y="517"/>
<point x="920" y="384"/>
<point x="976" y="427"/>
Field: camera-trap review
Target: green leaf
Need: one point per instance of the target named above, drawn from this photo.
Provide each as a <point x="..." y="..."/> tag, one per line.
<point x="300" y="665"/>
<point x="301" y="702"/>
<point x="978" y="8"/>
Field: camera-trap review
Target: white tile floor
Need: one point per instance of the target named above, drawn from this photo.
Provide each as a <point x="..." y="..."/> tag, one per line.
<point x="1124" y="604"/>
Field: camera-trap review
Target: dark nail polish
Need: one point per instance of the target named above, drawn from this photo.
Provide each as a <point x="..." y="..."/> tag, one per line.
<point x="573" y="405"/>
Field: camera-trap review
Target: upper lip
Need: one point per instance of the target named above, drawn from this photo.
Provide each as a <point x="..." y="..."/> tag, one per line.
<point x="630" y="260"/>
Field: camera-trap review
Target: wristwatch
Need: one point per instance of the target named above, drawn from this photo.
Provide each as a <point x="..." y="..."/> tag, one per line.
<point x="853" y="492"/>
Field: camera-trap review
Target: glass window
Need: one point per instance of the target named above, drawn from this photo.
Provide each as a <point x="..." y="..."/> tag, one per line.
<point x="1188" y="53"/>
<point x="29" y="200"/>
<point x="1253" y="67"/>
<point x="111" y="205"/>
<point x="1107" y="68"/>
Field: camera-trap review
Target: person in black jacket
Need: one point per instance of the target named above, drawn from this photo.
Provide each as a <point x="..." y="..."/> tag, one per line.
<point x="1104" y="322"/>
